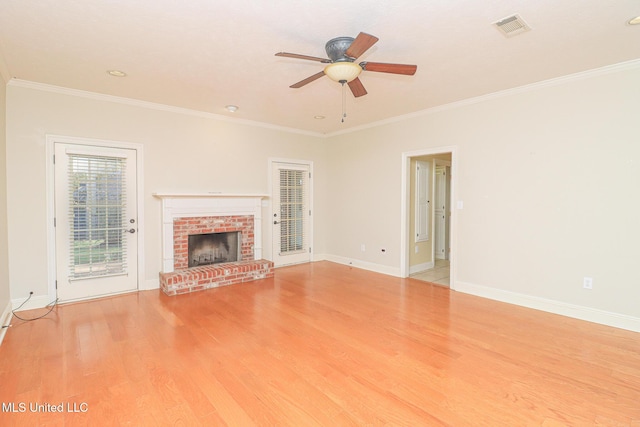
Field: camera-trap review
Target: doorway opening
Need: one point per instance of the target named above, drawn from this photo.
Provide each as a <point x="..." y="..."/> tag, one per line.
<point x="427" y="217"/>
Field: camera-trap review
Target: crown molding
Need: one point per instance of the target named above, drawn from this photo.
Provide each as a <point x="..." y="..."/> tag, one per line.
<point x="152" y="106"/>
<point x="623" y="66"/>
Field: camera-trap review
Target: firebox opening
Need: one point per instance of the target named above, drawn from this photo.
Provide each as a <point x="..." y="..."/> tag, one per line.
<point x="213" y="248"/>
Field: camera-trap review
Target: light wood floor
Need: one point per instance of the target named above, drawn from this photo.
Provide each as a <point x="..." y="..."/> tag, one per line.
<point x="320" y="344"/>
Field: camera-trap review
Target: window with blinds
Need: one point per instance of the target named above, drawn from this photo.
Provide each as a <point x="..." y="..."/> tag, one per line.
<point x="96" y="198"/>
<point x="293" y="215"/>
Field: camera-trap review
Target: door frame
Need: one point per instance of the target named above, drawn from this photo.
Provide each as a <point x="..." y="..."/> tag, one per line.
<point x="308" y="163"/>
<point x="50" y="200"/>
<point x="405" y="208"/>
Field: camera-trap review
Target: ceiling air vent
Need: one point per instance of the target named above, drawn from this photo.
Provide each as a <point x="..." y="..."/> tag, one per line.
<point x="511" y="26"/>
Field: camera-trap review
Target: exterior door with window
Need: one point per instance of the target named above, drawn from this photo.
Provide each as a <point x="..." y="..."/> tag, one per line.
<point x="291" y="216"/>
<point x="96" y="221"/>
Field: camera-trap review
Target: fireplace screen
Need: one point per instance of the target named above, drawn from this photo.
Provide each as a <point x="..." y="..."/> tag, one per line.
<point x="213" y="248"/>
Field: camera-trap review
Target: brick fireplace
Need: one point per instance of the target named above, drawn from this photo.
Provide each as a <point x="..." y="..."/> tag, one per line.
<point x="210" y="214"/>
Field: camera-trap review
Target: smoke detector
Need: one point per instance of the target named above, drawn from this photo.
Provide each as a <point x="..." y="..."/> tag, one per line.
<point x="511" y="25"/>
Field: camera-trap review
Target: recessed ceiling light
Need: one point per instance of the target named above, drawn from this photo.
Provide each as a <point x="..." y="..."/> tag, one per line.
<point x="231" y="108"/>
<point x="117" y="73"/>
<point x="318" y="117"/>
<point x="634" y="21"/>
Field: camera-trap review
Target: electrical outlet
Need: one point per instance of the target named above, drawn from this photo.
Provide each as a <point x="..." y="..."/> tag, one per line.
<point x="362" y="247"/>
<point x="417" y="249"/>
<point x="587" y="283"/>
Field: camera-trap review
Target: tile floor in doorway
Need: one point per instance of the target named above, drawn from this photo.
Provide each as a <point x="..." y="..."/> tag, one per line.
<point x="439" y="274"/>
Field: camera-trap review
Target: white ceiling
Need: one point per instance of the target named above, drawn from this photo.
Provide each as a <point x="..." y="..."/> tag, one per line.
<point x="205" y="54"/>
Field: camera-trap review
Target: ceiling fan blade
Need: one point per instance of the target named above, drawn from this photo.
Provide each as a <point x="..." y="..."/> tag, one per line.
<point x="308" y="80"/>
<point x="360" y="45"/>
<point x="382" y="67"/>
<point x="357" y="89"/>
<point x="298" y="56"/>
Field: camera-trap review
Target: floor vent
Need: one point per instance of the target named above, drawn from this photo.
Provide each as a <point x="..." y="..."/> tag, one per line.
<point x="512" y="26"/>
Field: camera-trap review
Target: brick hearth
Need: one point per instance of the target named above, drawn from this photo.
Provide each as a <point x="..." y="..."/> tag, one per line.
<point x="214" y="275"/>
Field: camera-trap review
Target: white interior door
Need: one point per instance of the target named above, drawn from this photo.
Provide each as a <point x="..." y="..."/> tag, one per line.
<point x="96" y="221"/>
<point x="441" y="212"/>
<point x="423" y="204"/>
<point x="291" y="214"/>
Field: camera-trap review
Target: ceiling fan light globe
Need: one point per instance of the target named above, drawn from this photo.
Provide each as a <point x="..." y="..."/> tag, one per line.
<point x="343" y="71"/>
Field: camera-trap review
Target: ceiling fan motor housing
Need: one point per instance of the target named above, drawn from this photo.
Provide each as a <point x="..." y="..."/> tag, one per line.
<point x="337" y="47"/>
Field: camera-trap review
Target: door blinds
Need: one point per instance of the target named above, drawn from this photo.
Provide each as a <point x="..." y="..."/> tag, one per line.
<point x="96" y="214"/>
<point x="293" y="215"/>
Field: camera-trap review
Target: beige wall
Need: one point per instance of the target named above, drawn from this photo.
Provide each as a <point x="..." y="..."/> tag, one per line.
<point x="548" y="176"/>
<point x="549" y="179"/>
<point x="182" y="153"/>
<point x="4" y="263"/>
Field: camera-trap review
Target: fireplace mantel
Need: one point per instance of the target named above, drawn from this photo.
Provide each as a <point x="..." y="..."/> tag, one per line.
<point x="186" y="205"/>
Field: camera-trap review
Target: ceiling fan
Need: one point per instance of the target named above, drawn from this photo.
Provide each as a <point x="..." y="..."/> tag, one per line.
<point x="342" y="52"/>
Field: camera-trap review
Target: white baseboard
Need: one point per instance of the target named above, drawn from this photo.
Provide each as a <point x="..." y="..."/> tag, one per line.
<point x="378" y="268"/>
<point x="319" y="257"/>
<point x="43" y="301"/>
<point x="5" y="320"/>
<point x="557" y="307"/>
<point x="421" y="267"/>
<point x="149" y="284"/>
<point x="35" y="302"/>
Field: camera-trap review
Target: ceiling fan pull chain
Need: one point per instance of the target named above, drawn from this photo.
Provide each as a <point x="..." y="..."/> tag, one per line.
<point x="344" y="101"/>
